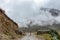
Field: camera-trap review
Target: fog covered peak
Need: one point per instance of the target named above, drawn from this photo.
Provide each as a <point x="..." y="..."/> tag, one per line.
<point x="54" y="12"/>
<point x="46" y="16"/>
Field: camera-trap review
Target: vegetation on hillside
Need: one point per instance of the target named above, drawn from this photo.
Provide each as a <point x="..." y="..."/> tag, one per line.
<point x="52" y="35"/>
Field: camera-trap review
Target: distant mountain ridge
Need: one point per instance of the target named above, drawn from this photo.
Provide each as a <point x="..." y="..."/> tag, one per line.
<point x="7" y="27"/>
<point x="54" y="12"/>
<point x="46" y="16"/>
<point x="55" y="25"/>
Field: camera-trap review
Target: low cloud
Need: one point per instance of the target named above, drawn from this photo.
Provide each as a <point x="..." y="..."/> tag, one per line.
<point x="23" y="11"/>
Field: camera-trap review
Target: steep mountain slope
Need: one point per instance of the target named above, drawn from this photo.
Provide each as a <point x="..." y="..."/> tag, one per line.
<point x="8" y="28"/>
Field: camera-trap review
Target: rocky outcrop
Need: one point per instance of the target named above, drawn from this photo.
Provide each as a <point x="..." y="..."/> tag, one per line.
<point x="7" y="26"/>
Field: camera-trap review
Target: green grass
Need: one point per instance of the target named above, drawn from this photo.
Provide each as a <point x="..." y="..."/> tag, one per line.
<point x="45" y="36"/>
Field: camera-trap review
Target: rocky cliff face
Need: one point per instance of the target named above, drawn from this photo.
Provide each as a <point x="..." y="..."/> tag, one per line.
<point x="7" y="26"/>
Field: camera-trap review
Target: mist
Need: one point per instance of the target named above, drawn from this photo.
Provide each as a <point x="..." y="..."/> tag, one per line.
<point x="24" y="11"/>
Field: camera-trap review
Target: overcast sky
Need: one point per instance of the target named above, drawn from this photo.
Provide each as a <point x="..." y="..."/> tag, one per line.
<point x="21" y="11"/>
